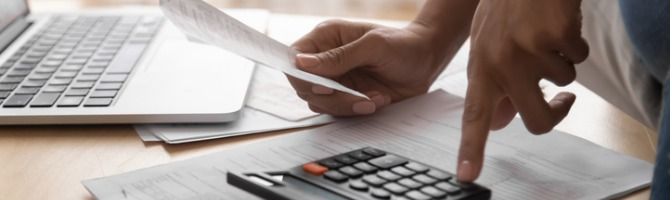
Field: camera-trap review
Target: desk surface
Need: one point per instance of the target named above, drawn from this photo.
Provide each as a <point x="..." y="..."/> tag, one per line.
<point x="48" y="162"/>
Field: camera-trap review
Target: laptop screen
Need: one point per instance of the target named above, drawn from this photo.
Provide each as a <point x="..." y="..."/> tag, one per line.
<point x="12" y="21"/>
<point x="10" y="11"/>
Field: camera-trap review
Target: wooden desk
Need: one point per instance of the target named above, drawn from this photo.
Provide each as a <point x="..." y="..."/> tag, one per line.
<point x="48" y="162"/>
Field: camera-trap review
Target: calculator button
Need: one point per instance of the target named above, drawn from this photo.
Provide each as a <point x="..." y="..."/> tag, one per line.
<point x="403" y="171"/>
<point x="365" y="167"/>
<point x="373" y="152"/>
<point x="331" y="164"/>
<point x="395" y="188"/>
<point x="448" y="188"/>
<point x="387" y="175"/>
<point x="345" y="159"/>
<point x="438" y="174"/>
<point x="314" y="169"/>
<point x="424" y="179"/>
<point x="433" y="192"/>
<point x="380" y="193"/>
<point x="417" y="167"/>
<point x="360" y="155"/>
<point x="409" y="183"/>
<point x="374" y="180"/>
<point x="350" y="171"/>
<point x="415" y="195"/>
<point x="335" y="176"/>
<point x="359" y="185"/>
<point x="388" y="161"/>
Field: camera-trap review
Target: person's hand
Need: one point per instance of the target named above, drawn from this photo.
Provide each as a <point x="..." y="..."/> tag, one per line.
<point x="515" y="44"/>
<point x="387" y="64"/>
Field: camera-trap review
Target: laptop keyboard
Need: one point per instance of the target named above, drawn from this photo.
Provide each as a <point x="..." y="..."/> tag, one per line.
<point x="76" y="61"/>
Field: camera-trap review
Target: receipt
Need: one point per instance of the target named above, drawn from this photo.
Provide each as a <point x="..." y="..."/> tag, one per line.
<point x="208" y="24"/>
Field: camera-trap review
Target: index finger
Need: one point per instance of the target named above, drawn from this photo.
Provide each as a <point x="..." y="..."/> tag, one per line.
<point x="478" y="109"/>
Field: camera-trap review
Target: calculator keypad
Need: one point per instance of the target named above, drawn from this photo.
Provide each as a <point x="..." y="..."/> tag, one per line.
<point x="385" y="176"/>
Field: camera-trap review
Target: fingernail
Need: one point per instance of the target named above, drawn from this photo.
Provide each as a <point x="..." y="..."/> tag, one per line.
<point x="318" y="89"/>
<point x="364" y="107"/>
<point x="379" y="100"/>
<point x="465" y="171"/>
<point x="307" y="60"/>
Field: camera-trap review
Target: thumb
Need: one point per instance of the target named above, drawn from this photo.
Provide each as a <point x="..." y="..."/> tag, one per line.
<point x="338" y="61"/>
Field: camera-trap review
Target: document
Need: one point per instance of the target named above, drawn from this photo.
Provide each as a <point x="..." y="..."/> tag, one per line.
<point x="208" y="24"/>
<point x="250" y="121"/>
<point x="518" y="165"/>
<point x="271" y="92"/>
<point x="272" y="105"/>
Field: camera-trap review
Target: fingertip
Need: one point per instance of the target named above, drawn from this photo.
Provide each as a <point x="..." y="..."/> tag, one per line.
<point x="561" y="104"/>
<point x="364" y="107"/>
<point x="467" y="171"/>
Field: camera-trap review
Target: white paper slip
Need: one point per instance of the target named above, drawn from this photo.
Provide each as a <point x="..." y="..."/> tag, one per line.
<point x="518" y="165"/>
<point x="206" y="23"/>
<point x="251" y="121"/>
<point x="270" y="92"/>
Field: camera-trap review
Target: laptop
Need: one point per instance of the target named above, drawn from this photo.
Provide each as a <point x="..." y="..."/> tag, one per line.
<point x="106" y="68"/>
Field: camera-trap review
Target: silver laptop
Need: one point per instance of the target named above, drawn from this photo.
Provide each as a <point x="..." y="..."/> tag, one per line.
<point x="101" y="68"/>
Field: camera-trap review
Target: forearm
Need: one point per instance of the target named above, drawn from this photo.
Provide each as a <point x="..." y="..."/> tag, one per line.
<point x="446" y="23"/>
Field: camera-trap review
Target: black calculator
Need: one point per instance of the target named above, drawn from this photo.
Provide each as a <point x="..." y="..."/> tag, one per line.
<point x="366" y="173"/>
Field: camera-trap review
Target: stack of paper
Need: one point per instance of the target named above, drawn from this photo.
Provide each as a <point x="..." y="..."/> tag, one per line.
<point x="518" y="165"/>
<point x="272" y="105"/>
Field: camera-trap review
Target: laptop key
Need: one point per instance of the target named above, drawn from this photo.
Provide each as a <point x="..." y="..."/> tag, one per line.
<point x="25" y="66"/>
<point x="54" y="88"/>
<point x="26" y="90"/>
<point x="88" y="77"/>
<point x="97" y="102"/>
<point x="39" y="76"/>
<point x="17" y="101"/>
<point x="4" y="95"/>
<point x="104" y="93"/>
<point x="34" y="83"/>
<point x="108" y="86"/>
<point x="72" y="67"/>
<point x="21" y="73"/>
<point x="70" y="101"/>
<point x="83" y="85"/>
<point x="52" y="63"/>
<point x="11" y="80"/>
<point x="45" y="100"/>
<point x="66" y="74"/>
<point x="77" y="92"/>
<point x="7" y="87"/>
<point x="94" y="71"/>
<point x="60" y="81"/>
<point x="98" y="64"/>
<point x="44" y="69"/>
<point x="113" y="78"/>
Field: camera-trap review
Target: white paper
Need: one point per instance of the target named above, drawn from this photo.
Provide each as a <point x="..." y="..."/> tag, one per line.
<point x="205" y="22"/>
<point x="250" y="121"/>
<point x="518" y="165"/>
<point x="146" y="134"/>
<point x="270" y="92"/>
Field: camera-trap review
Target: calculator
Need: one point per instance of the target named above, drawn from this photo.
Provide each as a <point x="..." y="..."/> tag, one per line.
<point x="367" y="173"/>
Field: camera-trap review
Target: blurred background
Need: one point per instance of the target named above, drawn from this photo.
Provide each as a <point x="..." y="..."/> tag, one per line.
<point x="383" y="9"/>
